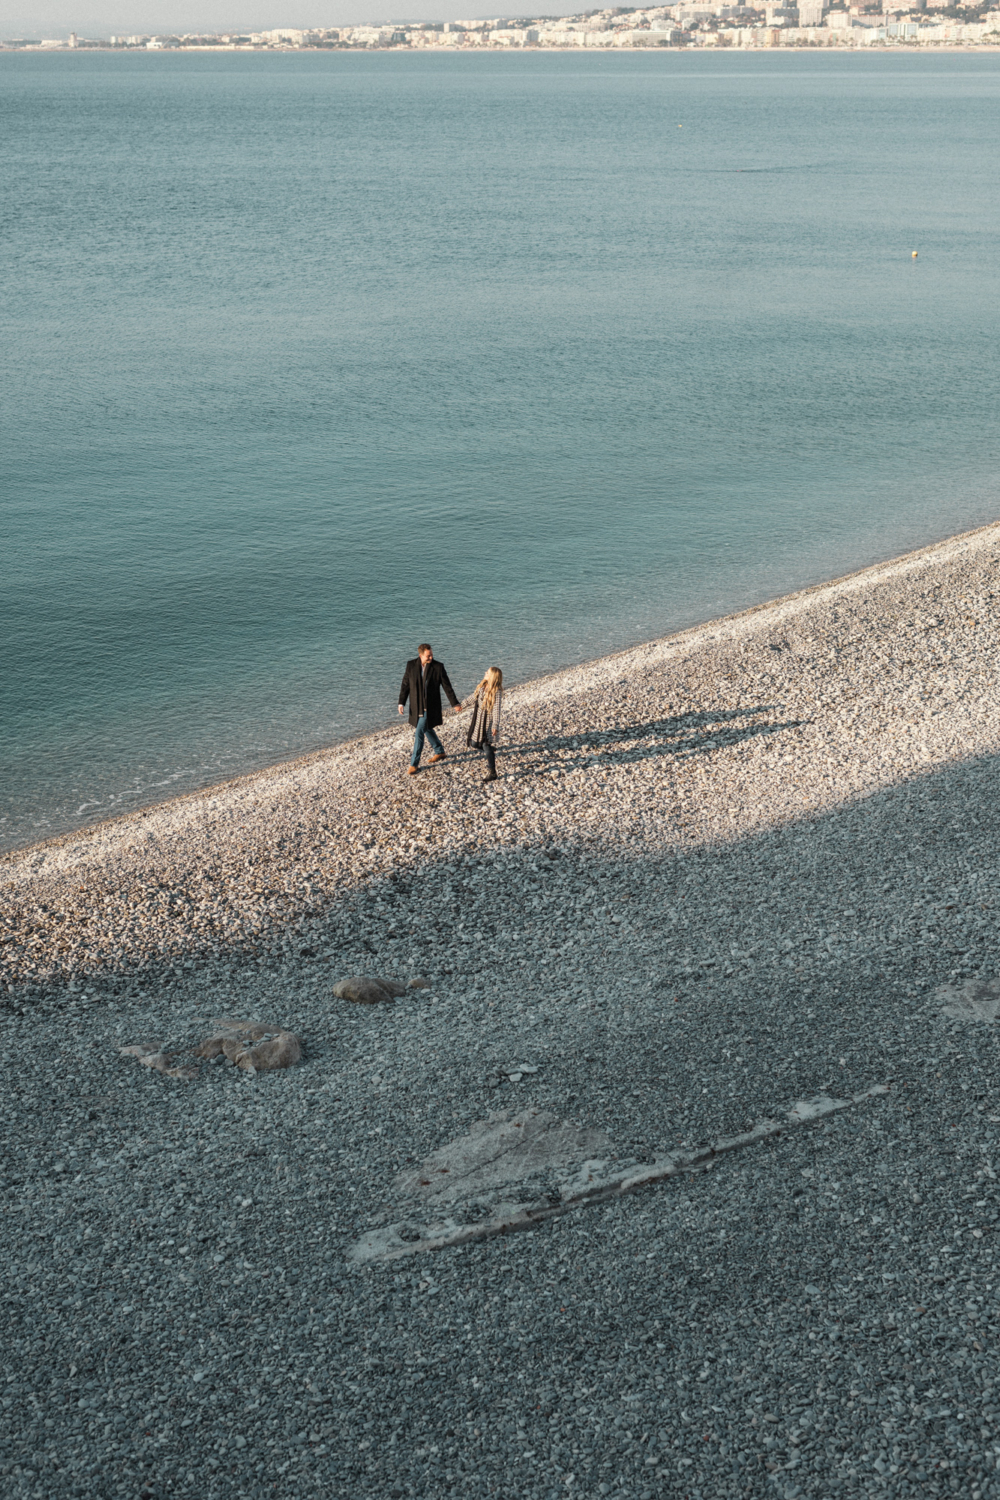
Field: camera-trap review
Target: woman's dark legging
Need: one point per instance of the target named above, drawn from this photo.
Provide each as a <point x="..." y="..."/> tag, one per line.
<point x="491" y="759"/>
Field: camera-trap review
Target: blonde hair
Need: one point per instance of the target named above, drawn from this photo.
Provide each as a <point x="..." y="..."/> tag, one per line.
<point x="490" y="686"/>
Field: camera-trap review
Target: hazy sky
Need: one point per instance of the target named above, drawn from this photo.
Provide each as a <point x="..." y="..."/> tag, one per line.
<point x="97" y="18"/>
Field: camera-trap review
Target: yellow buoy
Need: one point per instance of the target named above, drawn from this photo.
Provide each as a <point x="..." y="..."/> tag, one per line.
<point x="914" y="255"/>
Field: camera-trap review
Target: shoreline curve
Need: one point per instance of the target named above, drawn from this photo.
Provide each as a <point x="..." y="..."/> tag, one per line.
<point x="686" y="635"/>
<point x="788" y="713"/>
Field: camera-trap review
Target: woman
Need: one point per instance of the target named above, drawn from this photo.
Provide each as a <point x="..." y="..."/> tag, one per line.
<point x="484" y="730"/>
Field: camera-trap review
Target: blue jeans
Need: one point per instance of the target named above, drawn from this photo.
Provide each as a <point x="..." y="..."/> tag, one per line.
<point x="418" y="741"/>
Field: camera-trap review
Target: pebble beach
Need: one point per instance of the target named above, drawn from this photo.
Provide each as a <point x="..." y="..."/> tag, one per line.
<point x="723" y="876"/>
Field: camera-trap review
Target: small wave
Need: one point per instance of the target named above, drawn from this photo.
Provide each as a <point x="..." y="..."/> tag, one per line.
<point x="775" y="171"/>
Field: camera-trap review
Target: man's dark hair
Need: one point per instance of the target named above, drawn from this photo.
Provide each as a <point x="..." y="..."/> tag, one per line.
<point x="425" y="647"/>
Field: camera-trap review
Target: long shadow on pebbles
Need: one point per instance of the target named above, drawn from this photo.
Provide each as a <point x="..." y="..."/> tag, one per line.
<point x="685" y="734"/>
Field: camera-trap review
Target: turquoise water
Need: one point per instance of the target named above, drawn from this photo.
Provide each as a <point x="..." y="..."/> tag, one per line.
<point x="308" y="358"/>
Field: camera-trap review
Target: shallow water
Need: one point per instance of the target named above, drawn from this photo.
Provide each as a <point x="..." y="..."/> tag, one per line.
<point x="312" y="357"/>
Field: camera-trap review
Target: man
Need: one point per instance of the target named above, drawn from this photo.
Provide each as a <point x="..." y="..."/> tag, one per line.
<point x="422" y="683"/>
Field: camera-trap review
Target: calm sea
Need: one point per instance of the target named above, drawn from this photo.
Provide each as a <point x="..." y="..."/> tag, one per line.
<point x="308" y="358"/>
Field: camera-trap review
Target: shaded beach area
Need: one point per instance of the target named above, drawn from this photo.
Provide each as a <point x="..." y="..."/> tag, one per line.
<point x="724" y="877"/>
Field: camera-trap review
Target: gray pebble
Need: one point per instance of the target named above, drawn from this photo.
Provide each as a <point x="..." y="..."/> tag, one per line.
<point x="723" y="873"/>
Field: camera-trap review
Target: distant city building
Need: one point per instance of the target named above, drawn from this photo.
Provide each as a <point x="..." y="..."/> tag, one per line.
<point x="811" y="12"/>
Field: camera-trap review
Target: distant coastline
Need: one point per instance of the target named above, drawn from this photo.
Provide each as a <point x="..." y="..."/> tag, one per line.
<point x="779" y="24"/>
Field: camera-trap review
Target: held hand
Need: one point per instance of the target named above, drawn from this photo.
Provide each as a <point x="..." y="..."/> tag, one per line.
<point x="402" y="709"/>
<point x="458" y="708"/>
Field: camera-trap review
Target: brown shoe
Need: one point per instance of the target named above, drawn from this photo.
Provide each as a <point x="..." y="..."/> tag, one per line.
<point x="434" y="758"/>
<point x="412" y="770"/>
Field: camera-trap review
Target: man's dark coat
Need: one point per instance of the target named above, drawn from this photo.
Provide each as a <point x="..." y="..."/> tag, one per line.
<point x="413" y="688"/>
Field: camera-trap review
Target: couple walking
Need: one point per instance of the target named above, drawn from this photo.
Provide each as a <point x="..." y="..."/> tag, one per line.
<point x="423" y="680"/>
